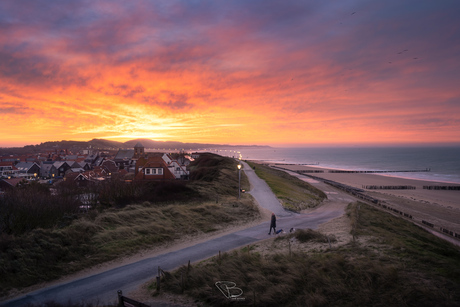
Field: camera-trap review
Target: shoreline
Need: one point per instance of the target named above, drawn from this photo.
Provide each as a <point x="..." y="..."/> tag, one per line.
<point x="388" y="173"/>
<point x="439" y="207"/>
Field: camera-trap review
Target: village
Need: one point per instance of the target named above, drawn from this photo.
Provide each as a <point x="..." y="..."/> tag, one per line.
<point x="91" y="165"/>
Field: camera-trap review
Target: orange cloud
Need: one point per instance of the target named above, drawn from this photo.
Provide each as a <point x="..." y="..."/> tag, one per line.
<point x="285" y="74"/>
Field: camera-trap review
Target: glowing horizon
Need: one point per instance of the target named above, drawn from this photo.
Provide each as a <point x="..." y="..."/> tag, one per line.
<point x="248" y="73"/>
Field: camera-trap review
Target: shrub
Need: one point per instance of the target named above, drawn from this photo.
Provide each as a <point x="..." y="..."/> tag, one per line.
<point x="32" y="206"/>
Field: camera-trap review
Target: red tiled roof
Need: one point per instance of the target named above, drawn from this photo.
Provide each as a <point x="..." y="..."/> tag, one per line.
<point x="153" y="162"/>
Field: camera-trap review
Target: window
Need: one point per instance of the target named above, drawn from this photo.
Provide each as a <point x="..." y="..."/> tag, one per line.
<point x="154" y="171"/>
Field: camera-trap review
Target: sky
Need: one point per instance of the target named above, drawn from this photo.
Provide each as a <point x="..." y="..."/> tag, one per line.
<point x="279" y="73"/>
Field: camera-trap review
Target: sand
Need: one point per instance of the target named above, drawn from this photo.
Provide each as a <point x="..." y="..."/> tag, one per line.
<point x="440" y="207"/>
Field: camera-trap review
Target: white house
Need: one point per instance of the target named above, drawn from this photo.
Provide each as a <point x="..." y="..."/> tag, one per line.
<point x="179" y="171"/>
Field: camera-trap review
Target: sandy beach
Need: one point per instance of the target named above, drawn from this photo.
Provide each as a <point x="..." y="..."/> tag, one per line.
<point x="439" y="207"/>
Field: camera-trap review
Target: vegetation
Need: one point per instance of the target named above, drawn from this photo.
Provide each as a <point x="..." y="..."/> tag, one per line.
<point x="33" y="251"/>
<point x="400" y="265"/>
<point x="308" y="235"/>
<point x="293" y="193"/>
<point x="31" y="206"/>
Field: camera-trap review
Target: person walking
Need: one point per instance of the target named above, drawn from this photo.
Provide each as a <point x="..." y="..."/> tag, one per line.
<point x="273" y="224"/>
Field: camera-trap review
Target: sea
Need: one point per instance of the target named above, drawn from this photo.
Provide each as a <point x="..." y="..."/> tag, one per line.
<point x="443" y="163"/>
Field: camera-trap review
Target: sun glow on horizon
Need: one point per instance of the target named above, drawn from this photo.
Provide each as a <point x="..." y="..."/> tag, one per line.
<point x="316" y="76"/>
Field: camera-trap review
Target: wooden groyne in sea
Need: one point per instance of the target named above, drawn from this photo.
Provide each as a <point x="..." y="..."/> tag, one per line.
<point x="337" y="171"/>
<point x="317" y="163"/>
<point x="389" y="187"/>
<point x="442" y="187"/>
<point x="373" y="172"/>
<point x="359" y="193"/>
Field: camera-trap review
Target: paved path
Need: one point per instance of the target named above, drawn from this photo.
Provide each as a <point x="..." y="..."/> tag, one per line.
<point x="102" y="288"/>
<point x="263" y="194"/>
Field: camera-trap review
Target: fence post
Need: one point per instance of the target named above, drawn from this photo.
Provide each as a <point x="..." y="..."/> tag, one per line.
<point x="120" y="298"/>
<point x="182" y="282"/>
<point x="158" y="278"/>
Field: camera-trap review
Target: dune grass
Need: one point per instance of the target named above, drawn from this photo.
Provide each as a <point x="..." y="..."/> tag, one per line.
<point x="108" y="233"/>
<point x="396" y="264"/>
<point x="45" y="254"/>
<point x="293" y="193"/>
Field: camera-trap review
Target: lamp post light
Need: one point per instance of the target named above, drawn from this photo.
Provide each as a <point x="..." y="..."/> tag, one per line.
<point x="239" y="181"/>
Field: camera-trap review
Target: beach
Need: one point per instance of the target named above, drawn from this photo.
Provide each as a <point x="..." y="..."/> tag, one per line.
<point x="441" y="208"/>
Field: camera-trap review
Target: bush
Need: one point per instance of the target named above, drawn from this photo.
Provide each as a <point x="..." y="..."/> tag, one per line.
<point x="32" y="206"/>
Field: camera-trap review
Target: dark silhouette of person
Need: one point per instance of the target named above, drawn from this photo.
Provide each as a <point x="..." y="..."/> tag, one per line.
<point x="273" y="224"/>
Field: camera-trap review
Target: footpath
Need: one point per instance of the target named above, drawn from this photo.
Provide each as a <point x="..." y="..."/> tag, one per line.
<point x="102" y="288"/>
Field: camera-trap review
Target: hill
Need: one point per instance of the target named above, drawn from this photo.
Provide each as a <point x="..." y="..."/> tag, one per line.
<point x="103" y="144"/>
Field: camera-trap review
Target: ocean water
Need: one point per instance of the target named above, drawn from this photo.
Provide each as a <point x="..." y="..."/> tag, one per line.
<point x="443" y="162"/>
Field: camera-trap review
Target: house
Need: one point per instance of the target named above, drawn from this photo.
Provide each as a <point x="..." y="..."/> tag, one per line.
<point x="98" y="172"/>
<point x="80" y="179"/>
<point x="110" y="166"/>
<point x="61" y="168"/>
<point x="75" y="170"/>
<point x="28" y="169"/>
<point x="98" y="161"/>
<point x="85" y="165"/>
<point x="76" y="164"/>
<point x="7" y="169"/>
<point x="92" y="158"/>
<point x="47" y="169"/>
<point x="124" y="156"/>
<point x="9" y="183"/>
<point x="152" y="168"/>
<point x="179" y="170"/>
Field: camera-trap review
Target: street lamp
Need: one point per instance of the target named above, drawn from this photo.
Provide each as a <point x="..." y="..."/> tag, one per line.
<point x="239" y="181"/>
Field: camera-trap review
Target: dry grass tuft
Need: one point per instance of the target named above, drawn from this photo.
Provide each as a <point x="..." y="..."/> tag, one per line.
<point x="112" y="232"/>
<point x="406" y="267"/>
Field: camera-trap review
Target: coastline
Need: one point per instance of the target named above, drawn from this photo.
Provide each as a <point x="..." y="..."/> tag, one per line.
<point x="439" y="207"/>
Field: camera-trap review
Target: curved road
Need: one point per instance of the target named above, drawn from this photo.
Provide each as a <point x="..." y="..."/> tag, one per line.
<point x="102" y="288"/>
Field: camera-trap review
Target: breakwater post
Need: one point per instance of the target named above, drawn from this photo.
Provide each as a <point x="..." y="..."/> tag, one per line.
<point x="442" y="187"/>
<point x="372" y="172"/>
<point x="389" y="187"/>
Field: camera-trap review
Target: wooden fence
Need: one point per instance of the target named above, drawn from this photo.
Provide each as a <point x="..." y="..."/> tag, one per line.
<point x="124" y="301"/>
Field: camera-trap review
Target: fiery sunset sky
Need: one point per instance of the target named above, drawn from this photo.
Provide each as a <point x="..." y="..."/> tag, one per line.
<point x="281" y="73"/>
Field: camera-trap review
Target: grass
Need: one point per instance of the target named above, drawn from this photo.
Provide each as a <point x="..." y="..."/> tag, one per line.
<point x="46" y="254"/>
<point x="400" y="265"/>
<point x="293" y="193"/>
<point x="108" y="233"/>
<point x="306" y="235"/>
